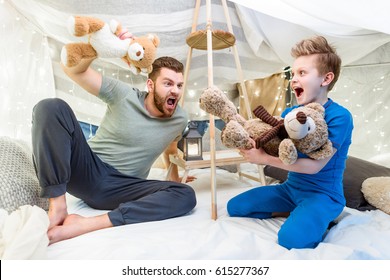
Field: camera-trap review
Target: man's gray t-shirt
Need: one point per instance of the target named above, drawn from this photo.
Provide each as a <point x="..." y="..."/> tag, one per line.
<point x="128" y="138"/>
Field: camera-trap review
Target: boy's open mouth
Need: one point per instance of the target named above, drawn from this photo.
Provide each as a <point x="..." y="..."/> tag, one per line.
<point x="298" y="91"/>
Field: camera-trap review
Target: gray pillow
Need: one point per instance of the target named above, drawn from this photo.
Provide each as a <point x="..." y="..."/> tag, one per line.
<point x="18" y="181"/>
<point x="356" y="171"/>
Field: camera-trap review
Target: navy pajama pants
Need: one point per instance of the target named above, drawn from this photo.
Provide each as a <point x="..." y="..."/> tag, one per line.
<point x="65" y="163"/>
<point x="310" y="212"/>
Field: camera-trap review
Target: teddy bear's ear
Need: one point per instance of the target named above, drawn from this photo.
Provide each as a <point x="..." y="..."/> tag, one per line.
<point x="148" y="69"/>
<point x="115" y="26"/>
<point x="155" y="40"/>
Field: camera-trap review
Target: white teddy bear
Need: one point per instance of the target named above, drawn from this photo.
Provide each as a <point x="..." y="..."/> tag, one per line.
<point x="105" y="42"/>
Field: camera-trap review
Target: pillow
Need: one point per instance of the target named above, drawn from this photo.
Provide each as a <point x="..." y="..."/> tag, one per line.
<point x="377" y="192"/>
<point x="356" y="171"/>
<point x="18" y="181"/>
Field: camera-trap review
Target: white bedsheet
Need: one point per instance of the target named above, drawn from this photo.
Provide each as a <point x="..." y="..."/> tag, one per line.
<point x="358" y="235"/>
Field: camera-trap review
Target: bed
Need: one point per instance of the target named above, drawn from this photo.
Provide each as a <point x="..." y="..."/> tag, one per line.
<point x="357" y="235"/>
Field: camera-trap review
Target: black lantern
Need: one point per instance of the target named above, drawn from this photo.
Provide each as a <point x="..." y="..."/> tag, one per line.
<point x="192" y="142"/>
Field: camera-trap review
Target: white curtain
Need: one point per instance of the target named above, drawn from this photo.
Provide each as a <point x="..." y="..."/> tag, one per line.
<point x="277" y="25"/>
<point x="33" y="32"/>
<point x="25" y="72"/>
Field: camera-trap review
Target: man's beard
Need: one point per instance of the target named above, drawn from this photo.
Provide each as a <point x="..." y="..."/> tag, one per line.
<point x="159" y="102"/>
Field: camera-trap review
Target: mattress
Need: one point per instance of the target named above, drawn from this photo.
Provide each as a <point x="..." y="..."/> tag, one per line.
<point x="357" y="235"/>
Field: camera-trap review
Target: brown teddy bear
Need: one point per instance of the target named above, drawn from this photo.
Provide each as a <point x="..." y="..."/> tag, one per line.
<point x="303" y="129"/>
<point x="104" y="40"/>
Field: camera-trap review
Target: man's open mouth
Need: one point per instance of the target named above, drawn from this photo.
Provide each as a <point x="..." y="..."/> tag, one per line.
<point x="171" y="102"/>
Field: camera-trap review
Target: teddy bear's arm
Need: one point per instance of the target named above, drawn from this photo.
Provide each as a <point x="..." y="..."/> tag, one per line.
<point x="288" y="153"/>
<point x="266" y="137"/>
<point x="73" y="54"/>
<point x="324" y="151"/>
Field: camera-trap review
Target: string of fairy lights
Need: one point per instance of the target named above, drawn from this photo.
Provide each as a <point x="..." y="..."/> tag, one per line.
<point x="365" y="91"/>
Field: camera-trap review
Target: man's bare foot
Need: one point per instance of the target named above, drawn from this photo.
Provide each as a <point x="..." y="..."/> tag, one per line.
<point x="57" y="211"/>
<point x="75" y="225"/>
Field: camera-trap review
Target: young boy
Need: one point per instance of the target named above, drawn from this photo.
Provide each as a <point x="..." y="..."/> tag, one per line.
<point x="312" y="196"/>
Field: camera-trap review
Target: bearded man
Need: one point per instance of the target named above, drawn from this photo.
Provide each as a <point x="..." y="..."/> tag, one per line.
<point x="109" y="171"/>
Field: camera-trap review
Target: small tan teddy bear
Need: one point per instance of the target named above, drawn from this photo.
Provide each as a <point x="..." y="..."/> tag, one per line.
<point x="104" y="41"/>
<point x="304" y="129"/>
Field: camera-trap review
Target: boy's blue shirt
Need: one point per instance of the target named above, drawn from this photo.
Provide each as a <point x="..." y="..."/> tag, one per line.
<point x="329" y="179"/>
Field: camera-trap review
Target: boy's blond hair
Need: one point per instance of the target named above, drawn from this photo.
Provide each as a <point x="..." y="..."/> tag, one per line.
<point x="327" y="58"/>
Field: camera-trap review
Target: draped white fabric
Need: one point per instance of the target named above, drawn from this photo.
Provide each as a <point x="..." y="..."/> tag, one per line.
<point x="33" y="32"/>
<point x="25" y="74"/>
<point x="23" y="233"/>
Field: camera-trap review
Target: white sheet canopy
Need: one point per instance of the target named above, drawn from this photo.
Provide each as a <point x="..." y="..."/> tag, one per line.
<point x="33" y="32"/>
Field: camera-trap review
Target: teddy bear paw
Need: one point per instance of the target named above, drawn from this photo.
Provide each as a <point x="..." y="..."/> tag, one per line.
<point x="287" y="152"/>
<point x="71" y="25"/>
<point x="64" y="56"/>
<point x="235" y="136"/>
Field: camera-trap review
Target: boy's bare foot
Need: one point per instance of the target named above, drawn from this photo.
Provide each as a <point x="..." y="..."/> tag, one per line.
<point x="57" y="211"/>
<point x="75" y="225"/>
